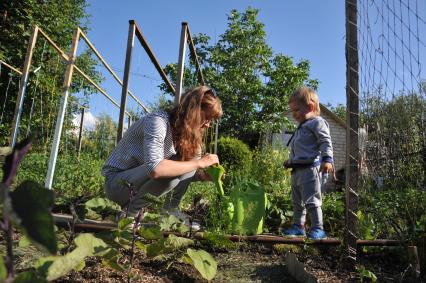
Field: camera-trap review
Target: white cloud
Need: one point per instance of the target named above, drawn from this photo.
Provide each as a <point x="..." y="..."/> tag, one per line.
<point x="88" y="123"/>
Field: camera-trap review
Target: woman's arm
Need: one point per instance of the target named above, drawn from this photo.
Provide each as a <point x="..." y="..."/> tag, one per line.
<point x="171" y="168"/>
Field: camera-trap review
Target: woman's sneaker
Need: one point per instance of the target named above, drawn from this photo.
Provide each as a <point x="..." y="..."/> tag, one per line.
<point x="317" y="234"/>
<point x="295" y="231"/>
<point x="194" y="225"/>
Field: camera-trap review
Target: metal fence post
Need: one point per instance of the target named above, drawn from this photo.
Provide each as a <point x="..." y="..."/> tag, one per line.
<point x="62" y="109"/>
<point x="23" y="86"/>
<point x="125" y="89"/>
<point x="352" y="151"/>
<point x="181" y="62"/>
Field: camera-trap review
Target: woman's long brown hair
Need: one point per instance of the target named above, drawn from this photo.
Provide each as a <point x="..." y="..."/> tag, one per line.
<point x="197" y="105"/>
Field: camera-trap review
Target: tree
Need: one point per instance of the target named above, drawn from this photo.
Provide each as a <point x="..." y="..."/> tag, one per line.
<point x="101" y="140"/>
<point x="58" y="18"/>
<point x="251" y="81"/>
<point x="339" y="110"/>
<point x="396" y="137"/>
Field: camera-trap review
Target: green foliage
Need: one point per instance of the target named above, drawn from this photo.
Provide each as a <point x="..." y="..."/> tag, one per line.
<point x="234" y="154"/>
<point x="57" y="266"/>
<point x="339" y="110"/>
<point x="102" y="139"/>
<point x="365" y="275"/>
<point x="57" y="19"/>
<point x="268" y="168"/>
<point x="333" y="207"/>
<point x="217" y="240"/>
<point x="396" y="135"/>
<point x="73" y="177"/>
<point x="391" y="214"/>
<point x="278" y="211"/>
<point x="149" y="238"/>
<point x="3" y="271"/>
<point x="252" y="82"/>
<point x="32" y="204"/>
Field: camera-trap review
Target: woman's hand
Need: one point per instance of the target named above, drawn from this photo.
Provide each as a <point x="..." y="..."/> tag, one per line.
<point x="202" y="175"/>
<point x="208" y="160"/>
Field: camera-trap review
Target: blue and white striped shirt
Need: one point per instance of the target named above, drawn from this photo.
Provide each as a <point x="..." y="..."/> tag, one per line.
<point x="147" y="141"/>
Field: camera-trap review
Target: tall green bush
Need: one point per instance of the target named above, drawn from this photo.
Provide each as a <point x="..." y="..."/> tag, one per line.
<point x="234" y="155"/>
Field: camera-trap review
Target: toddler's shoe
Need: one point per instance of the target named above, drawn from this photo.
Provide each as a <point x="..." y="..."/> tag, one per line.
<point x="294" y="231"/>
<point x="317" y="234"/>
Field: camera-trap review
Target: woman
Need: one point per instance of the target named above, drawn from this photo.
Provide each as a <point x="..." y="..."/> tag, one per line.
<point x="162" y="152"/>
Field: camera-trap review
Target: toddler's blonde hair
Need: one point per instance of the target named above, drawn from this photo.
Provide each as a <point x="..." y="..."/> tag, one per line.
<point x="305" y="96"/>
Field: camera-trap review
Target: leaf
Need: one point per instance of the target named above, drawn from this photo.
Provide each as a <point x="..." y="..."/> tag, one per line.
<point x="174" y="242"/>
<point x="110" y="260"/>
<point x="155" y="249"/>
<point x="24" y="242"/>
<point x="3" y="270"/>
<point x="216" y="172"/>
<point x="13" y="160"/>
<point x="32" y="203"/>
<point x="203" y="262"/>
<point x="150" y="233"/>
<point x="125" y="223"/>
<point x="140" y="245"/>
<point x="29" y="277"/>
<point x="151" y="198"/>
<point x="168" y="223"/>
<point x="57" y="266"/>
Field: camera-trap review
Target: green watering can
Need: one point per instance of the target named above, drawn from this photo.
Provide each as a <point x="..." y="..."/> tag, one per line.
<point x="249" y="209"/>
<point x="246" y="205"/>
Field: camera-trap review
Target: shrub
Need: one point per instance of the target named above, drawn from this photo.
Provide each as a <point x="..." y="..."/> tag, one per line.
<point x="73" y="178"/>
<point x="234" y="154"/>
<point x="268" y="168"/>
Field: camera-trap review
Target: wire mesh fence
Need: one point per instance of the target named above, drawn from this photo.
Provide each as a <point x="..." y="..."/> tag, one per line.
<point x="392" y="48"/>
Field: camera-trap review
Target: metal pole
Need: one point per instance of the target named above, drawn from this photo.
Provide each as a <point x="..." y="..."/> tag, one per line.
<point x="216" y="134"/>
<point x="125" y="88"/>
<point x="62" y="109"/>
<point x="130" y="121"/>
<point x="352" y="150"/>
<point x="23" y="86"/>
<point x="80" y="132"/>
<point x="181" y="62"/>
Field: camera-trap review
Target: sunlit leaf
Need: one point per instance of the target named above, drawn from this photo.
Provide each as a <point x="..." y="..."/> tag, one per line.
<point x="203" y="262"/>
<point x="150" y="233"/>
<point x="216" y="172"/>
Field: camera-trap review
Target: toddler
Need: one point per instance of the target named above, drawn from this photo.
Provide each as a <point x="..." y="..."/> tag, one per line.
<point x="311" y="156"/>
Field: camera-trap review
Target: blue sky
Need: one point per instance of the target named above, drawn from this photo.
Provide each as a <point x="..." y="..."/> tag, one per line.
<point x="303" y="29"/>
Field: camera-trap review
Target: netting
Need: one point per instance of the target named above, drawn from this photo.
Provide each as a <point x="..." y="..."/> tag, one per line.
<point x="392" y="46"/>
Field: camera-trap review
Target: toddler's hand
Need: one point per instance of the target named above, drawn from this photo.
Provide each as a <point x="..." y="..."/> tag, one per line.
<point x="286" y="164"/>
<point x="326" y="167"/>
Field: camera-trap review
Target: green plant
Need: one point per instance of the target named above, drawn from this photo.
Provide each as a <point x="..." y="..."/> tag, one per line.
<point x="365" y="275"/>
<point x="268" y="168"/>
<point x="74" y="177"/>
<point x="29" y="205"/>
<point x="234" y="154"/>
<point x="333" y="207"/>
